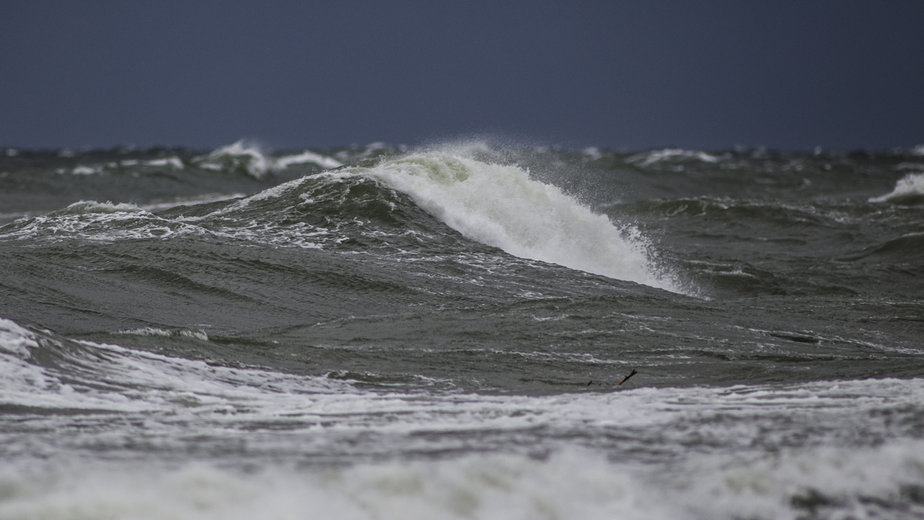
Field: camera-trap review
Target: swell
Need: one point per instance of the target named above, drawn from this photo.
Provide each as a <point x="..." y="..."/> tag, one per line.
<point x="745" y="213"/>
<point x="342" y="210"/>
<point x="903" y="250"/>
<point x="820" y="246"/>
<point x="419" y="202"/>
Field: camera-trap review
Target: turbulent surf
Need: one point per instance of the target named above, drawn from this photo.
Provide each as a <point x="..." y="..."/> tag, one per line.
<point x="440" y="332"/>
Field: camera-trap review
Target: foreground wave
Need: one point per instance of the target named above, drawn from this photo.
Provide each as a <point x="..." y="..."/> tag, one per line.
<point x="826" y="483"/>
<point x="775" y="451"/>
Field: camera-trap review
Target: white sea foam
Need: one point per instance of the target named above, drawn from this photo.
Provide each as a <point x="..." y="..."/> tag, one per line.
<point x="910" y="186"/>
<point x="240" y="155"/>
<point x="114" y="377"/>
<point x="593" y="153"/>
<point x="829" y="482"/>
<point x="86" y="170"/>
<point x="174" y="163"/>
<point x="21" y="381"/>
<point x="252" y="160"/>
<point x="501" y="206"/>
<point x="571" y="483"/>
<point x="15" y="339"/>
<point x="307" y="157"/>
<point x="92" y="206"/>
<point x="99" y="222"/>
<point x="668" y="154"/>
<point x="172" y="333"/>
<point x="171" y="162"/>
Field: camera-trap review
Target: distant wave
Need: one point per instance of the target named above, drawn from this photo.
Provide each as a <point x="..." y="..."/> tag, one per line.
<point x="173" y="333"/>
<point x="671" y="154"/>
<point x="239" y="157"/>
<point x="250" y="159"/>
<point x="908" y="189"/>
<point x="307" y="157"/>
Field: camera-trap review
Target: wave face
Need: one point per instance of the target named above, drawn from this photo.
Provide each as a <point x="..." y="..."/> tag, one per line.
<point x="378" y="332"/>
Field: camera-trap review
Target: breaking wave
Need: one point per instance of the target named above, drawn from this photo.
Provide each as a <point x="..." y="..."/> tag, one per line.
<point x="501" y="206"/>
<point x="908" y="189"/>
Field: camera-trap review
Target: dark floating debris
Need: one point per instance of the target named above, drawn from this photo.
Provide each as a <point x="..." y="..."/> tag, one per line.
<point x="632" y="373"/>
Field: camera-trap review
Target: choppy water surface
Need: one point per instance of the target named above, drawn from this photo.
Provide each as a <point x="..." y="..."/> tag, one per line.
<point x="382" y="332"/>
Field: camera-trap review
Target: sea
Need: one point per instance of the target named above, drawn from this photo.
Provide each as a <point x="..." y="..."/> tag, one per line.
<point x="472" y="329"/>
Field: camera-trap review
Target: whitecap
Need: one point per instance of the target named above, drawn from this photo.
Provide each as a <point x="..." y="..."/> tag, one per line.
<point x="165" y="333"/>
<point x="237" y="156"/>
<point x="170" y="162"/>
<point x="592" y="153"/>
<point x="307" y="157"/>
<point x="85" y="170"/>
<point x="102" y="222"/>
<point x="909" y="187"/>
<point x="670" y="154"/>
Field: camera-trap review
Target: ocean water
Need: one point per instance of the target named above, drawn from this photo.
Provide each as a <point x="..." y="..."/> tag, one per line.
<point x="441" y="332"/>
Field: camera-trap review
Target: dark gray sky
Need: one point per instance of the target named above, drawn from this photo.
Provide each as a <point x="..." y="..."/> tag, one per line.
<point x="623" y="75"/>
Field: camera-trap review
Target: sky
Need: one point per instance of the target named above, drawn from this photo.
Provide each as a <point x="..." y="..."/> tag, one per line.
<point x="621" y="75"/>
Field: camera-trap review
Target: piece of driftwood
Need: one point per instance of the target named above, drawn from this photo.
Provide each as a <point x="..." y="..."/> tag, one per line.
<point x="632" y="373"/>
